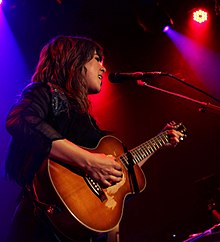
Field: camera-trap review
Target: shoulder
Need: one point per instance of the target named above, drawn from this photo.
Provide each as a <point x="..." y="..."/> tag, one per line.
<point x="36" y="87"/>
<point x="36" y="90"/>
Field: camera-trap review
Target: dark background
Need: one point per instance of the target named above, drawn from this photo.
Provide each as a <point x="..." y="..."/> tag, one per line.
<point x="180" y="181"/>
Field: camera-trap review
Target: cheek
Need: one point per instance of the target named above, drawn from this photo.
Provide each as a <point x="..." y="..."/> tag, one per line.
<point x="88" y="77"/>
<point x="91" y="73"/>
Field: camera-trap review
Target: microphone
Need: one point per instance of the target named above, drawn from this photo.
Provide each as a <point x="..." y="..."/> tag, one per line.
<point x="117" y="77"/>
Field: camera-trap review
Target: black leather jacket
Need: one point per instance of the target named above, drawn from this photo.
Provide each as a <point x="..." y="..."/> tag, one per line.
<point x="41" y="115"/>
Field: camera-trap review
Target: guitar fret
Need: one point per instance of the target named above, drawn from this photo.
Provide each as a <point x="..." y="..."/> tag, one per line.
<point x="160" y="141"/>
<point x="144" y="150"/>
<point x="124" y="160"/>
<point x="136" y="155"/>
<point x="153" y="145"/>
<point x="149" y="147"/>
<point x="157" y="142"/>
<point x="141" y="153"/>
<point x="165" y="138"/>
<point x="135" y="158"/>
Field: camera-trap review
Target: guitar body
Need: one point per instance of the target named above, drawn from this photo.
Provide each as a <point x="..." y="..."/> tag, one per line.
<point x="79" y="210"/>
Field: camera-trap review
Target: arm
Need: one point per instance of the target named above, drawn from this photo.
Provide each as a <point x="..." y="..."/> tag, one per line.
<point x="27" y="120"/>
<point x="27" y="123"/>
<point x="104" y="169"/>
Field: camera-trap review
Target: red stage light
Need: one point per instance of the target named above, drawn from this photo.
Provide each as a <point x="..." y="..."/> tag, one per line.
<point x="200" y="16"/>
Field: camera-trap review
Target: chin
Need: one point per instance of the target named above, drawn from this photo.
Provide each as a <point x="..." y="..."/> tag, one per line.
<point x="95" y="91"/>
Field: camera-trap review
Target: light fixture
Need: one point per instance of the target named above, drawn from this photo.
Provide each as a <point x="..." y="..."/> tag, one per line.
<point x="153" y="18"/>
<point x="200" y="16"/>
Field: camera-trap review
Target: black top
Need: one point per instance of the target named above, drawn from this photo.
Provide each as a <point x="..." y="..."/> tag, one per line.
<point x="43" y="114"/>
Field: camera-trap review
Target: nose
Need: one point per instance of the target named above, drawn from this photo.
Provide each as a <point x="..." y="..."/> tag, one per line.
<point x="103" y="69"/>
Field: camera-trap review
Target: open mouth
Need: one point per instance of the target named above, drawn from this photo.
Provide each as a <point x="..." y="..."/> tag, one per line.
<point x="100" y="77"/>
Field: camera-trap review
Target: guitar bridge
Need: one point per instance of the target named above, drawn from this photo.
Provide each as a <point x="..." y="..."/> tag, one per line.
<point x="96" y="188"/>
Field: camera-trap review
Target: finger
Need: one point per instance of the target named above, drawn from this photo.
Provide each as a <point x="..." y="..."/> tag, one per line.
<point x="176" y="140"/>
<point x="172" y="122"/>
<point x="169" y="126"/>
<point x="117" y="173"/>
<point x="114" y="179"/>
<point x="110" y="156"/>
<point x="106" y="183"/>
<point x="118" y="167"/>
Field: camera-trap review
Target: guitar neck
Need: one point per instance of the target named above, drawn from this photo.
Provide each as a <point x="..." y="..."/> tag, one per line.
<point x="143" y="151"/>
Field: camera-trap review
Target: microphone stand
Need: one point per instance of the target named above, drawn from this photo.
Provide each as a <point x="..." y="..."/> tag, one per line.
<point x="204" y="105"/>
<point x="195" y="237"/>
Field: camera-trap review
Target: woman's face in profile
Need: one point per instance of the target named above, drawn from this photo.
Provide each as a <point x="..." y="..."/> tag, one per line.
<point x="93" y="74"/>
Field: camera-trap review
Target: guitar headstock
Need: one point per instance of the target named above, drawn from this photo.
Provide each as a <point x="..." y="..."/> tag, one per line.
<point x="182" y="129"/>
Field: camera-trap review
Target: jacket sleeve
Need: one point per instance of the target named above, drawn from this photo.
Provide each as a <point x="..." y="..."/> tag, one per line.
<point x="28" y="120"/>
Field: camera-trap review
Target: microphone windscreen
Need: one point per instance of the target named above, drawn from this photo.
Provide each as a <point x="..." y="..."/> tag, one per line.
<point x="114" y="78"/>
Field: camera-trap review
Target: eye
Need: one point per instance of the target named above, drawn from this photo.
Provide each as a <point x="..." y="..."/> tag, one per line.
<point x="98" y="58"/>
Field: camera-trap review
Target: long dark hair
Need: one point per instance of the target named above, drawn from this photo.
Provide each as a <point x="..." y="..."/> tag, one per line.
<point x="61" y="63"/>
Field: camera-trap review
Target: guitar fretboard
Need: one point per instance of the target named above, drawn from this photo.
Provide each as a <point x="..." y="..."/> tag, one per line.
<point x="144" y="150"/>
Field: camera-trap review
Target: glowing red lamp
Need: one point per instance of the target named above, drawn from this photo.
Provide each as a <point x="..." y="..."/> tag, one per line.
<point x="200" y="16"/>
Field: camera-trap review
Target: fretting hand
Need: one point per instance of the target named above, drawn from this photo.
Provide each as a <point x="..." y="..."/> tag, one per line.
<point x="175" y="136"/>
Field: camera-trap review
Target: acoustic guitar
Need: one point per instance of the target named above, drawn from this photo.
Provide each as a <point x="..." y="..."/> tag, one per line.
<point x="76" y="205"/>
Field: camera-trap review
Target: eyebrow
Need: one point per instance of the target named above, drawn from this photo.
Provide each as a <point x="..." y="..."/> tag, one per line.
<point x="100" y="57"/>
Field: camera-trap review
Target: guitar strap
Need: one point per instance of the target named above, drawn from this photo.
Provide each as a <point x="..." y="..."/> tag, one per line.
<point x="40" y="210"/>
<point x="131" y="173"/>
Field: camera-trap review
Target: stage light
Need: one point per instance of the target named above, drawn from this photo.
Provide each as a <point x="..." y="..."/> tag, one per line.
<point x="200" y="16"/>
<point x="166" y="28"/>
<point x="153" y="18"/>
<point x="1" y="2"/>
